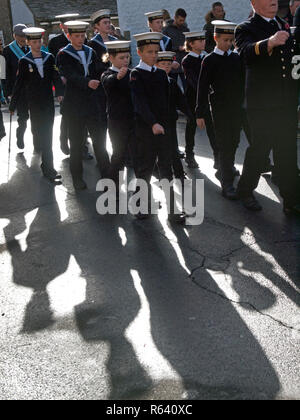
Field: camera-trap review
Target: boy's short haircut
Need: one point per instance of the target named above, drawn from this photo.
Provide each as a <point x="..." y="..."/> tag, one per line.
<point x="141" y="48"/>
<point x="181" y="13"/>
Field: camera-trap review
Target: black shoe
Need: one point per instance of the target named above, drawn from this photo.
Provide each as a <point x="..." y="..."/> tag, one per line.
<point x="191" y="162"/>
<point x="181" y="155"/>
<point x="79" y="185"/>
<point x="292" y="211"/>
<point x="230" y="193"/>
<point x="64" y="147"/>
<point x="2" y="135"/>
<point x="20" y="143"/>
<point x="269" y="168"/>
<point x="178" y="219"/>
<point x="87" y="156"/>
<point x="250" y="203"/>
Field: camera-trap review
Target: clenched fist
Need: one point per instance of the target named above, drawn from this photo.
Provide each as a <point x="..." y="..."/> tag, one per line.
<point x="94" y="84"/>
<point x="122" y="73"/>
<point x="278" y="39"/>
<point x="158" y="129"/>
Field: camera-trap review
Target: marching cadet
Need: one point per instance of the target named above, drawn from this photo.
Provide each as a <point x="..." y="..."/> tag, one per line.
<point x="221" y="79"/>
<point x="37" y="74"/>
<point x="119" y="106"/>
<point x="177" y="101"/>
<point x="61" y="41"/>
<point x="156" y="24"/>
<point x="79" y="65"/>
<point x="55" y="45"/>
<point x="12" y="54"/>
<point x="195" y="46"/>
<point x="102" y="24"/>
<point x="151" y="97"/>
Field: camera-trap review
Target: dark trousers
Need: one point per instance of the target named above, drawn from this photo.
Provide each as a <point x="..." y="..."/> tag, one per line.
<point x="64" y="135"/>
<point x="2" y="128"/>
<point x="190" y="133"/>
<point x="42" y="129"/>
<point x="122" y="135"/>
<point x="23" y="116"/>
<point x="177" y="166"/>
<point x="152" y="149"/>
<point x="97" y="128"/>
<point x="272" y="129"/>
<point x="228" y="131"/>
<point x="175" y="76"/>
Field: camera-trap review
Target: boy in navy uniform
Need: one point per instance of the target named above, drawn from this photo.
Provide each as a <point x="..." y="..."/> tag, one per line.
<point x="55" y="45"/>
<point x="119" y="106"/>
<point x="221" y="79"/>
<point x="36" y="74"/>
<point x="195" y="45"/>
<point x="151" y="95"/>
<point x="156" y="24"/>
<point x="79" y="65"/>
<point x="177" y="101"/>
<point x="12" y="54"/>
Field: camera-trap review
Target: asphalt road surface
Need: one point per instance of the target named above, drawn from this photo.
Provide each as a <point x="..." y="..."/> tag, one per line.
<point x="108" y="307"/>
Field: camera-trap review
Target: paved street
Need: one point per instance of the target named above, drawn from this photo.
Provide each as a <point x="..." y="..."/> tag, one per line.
<point x="108" y="307"/>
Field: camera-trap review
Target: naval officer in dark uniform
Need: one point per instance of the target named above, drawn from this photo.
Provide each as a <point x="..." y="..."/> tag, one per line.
<point x="37" y="74"/>
<point x="79" y="65"/>
<point x="12" y="54"/>
<point x="267" y="47"/>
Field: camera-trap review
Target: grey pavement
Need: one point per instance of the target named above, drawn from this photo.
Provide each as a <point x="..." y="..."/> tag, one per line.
<point x="107" y="307"/>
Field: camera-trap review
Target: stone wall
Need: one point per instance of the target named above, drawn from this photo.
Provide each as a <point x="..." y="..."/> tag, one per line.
<point x="5" y="21"/>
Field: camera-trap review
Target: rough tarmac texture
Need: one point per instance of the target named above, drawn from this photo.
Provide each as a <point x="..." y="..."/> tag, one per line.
<point x="107" y="307"/>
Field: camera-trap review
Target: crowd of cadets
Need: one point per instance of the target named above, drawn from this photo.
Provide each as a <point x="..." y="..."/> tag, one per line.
<point x="97" y="90"/>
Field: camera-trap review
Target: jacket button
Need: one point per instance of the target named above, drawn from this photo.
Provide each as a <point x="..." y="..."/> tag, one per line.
<point x="282" y="59"/>
<point x="283" y="75"/>
<point x="283" y="68"/>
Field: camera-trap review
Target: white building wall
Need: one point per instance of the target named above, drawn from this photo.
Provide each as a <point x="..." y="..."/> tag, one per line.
<point x="131" y="12"/>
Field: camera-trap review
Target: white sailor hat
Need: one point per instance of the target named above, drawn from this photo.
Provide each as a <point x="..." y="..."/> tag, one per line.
<point x="166" y="56"/>
<point x="67" y="17"/>
<point x="148" y="38"/>
<point x="34" y="33"/>
<point x="223" y="27"/>
<point x="101" y="14"/>
<point x="194" y="36"/>
<point x="159" y="14"/>
<point x="118" y="46"/>
<point x="76" y="26"/>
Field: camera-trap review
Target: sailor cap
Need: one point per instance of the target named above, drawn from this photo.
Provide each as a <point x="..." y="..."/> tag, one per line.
<point x="194" y="36"/>
<point x="100" y="14"/>
<point x="223" y="27"/>
<point x="66" y="17"/>
<point x="159" y="14"/>
<point x="76" y="26"/>
<point x="118" y="46"/>
<point x="166" y="56"/>
<point x="148" y="38"/>
<point x="33" y="33"/>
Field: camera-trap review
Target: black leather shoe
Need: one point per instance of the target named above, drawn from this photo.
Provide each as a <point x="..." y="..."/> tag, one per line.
<point x="191" y="162"/>
<point x="292" y="211"/>
<point x="230" y="193"/>
<point x="269" y="168"/>
<point x="20" y="143"/>
<point x="250" y="203"/>
<point x="79" y="185"/>
<point x="181" y="155"/>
